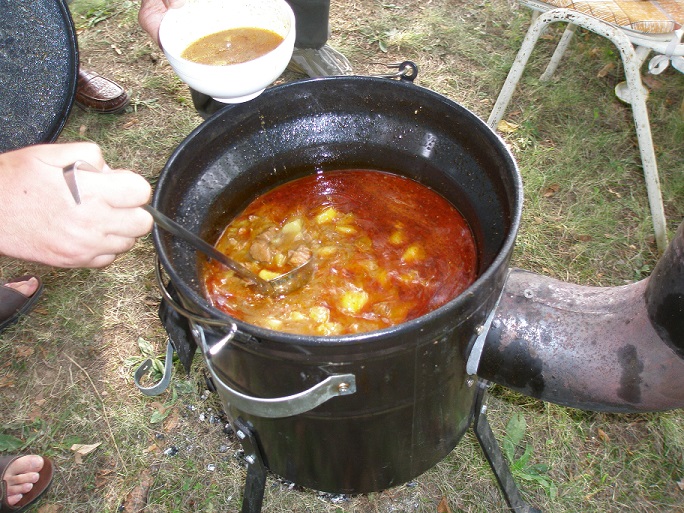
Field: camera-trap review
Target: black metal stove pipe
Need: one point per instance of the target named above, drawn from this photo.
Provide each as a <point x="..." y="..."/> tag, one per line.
<point x="611" y="349"/>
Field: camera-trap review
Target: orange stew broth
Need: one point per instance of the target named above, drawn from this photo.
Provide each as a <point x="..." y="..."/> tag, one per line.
<point x="232" y="46"/>
<point x="387" y="250"/>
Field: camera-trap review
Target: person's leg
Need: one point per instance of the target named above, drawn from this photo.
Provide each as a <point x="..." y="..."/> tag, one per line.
<point x="311" y="22"/>
<point x="312" y="55"/>
<point x="18" y="296"/>
<point x="96" y="93"/>
<point x="20" y="476"/>
<point x="26" y="287"/>
<point x="204" y="104"/>
<point x="23" y="480"/>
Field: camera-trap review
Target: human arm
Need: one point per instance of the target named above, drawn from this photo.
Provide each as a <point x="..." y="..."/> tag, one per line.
<point x="151" y="13"/>
<point x="41" y="222"/>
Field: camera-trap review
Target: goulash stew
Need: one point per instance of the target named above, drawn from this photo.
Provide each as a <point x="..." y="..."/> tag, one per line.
<point x="232" y="46"/>
<point x="386" y="250"/>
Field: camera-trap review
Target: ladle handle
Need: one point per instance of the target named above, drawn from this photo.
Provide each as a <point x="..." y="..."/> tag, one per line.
<point x="176" y="229"/>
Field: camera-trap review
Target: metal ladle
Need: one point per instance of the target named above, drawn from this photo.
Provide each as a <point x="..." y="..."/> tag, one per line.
<point x="283" y="284"/>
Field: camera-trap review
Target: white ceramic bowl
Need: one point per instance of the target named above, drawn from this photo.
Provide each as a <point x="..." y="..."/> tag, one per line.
<point x="234" y="83"/>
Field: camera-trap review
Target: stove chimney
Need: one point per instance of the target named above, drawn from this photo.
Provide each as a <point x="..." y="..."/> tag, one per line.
<point x="611" y="349"/>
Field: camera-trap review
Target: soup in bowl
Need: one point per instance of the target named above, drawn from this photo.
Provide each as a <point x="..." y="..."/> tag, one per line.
<point x="229" y="50"/>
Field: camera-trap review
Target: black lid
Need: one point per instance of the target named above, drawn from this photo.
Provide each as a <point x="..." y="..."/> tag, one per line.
<point x="38" y="71"/>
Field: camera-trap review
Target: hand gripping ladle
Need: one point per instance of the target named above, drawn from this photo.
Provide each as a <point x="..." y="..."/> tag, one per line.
<point x="281" y="285"/>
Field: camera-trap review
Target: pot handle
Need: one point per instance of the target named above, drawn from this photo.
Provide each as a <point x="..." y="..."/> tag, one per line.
<point x="473" y="361"/>
<point x="175" y="305"/>
<point x="276" y="407"/>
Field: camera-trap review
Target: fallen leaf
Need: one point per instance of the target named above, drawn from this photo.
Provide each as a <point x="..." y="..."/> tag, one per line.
<point x="81" y="450"/>
<point x="584" y="238"/>
<point x="171" y="422"/>
<point x="680" y="483"/>
<point x="131" y="123"/>
<point x="551" y="190"/>
<point x="605" y="70"/>
<point x="101" y="479"/>
<point x="35" y="414"/>
<point x="507" y="127"/>
<point x="7" y="382"/>
<point x="136" y="500"/>
<point x="21" y="351"/>
<point x="603" y="436"/>
<point x="151" y="448"/>
<point x="443" y="506"/>
<point x="50" y="508"/>
<point x="102" y="476"/>
<point x="652" y="82"/>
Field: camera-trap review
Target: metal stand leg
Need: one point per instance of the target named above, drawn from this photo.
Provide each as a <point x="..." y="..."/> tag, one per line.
<point x="255" y="484"/>
<point x="495" y="457"/>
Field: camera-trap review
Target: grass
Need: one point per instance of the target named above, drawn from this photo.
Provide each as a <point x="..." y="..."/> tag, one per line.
<point x="66" y="370"/>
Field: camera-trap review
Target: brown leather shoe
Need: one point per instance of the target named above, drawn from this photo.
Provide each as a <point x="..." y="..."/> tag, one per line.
<point x="99" y="94"/>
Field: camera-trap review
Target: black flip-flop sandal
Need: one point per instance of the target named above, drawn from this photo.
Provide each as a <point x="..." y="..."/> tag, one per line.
<point x="14" y="304"/>
<point x="39" y="488"/>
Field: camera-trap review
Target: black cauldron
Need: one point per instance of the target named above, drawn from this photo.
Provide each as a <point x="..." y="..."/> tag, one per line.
<point x="348" y="414"/>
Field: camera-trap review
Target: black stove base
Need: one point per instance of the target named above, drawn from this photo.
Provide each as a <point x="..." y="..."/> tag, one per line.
<point x="495" y="458"/>
<point x="255" y="483"/>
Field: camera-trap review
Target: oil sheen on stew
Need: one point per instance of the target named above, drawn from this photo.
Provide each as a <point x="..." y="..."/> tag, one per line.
<point x="232" y="46"/>
<point x="387" y="250"/>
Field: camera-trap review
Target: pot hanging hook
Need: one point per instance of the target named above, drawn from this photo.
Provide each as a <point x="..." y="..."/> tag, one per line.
<point x="406" y="70"/>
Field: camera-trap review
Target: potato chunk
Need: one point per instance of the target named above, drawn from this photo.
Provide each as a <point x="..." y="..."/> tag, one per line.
<point x="413" y="253"/>
<point x="265" y="274"/>
<point x="397" y="238"/>
<point x="353" y="301"/>
<point x="327" y="215"/>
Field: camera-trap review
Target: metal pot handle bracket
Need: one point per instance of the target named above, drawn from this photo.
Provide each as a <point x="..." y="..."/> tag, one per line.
<point x="276" y="407"/>
<point x="476" y="352"/>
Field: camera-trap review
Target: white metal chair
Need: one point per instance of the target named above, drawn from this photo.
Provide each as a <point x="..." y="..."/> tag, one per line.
<point x="636" y="28"/>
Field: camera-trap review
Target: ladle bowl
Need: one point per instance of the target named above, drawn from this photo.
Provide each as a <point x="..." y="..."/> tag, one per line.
<point x="281" y="285"/>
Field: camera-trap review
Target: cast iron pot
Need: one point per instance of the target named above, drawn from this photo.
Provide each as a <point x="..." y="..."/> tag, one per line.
<point x="348" y="414"/>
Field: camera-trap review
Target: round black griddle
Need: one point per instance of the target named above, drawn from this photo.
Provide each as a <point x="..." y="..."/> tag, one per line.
<point x="38" y="71"/>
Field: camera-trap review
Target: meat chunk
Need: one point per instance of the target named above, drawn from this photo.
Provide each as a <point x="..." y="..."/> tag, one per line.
<point x="299" y="255"/>
<point x="263" y="248"/>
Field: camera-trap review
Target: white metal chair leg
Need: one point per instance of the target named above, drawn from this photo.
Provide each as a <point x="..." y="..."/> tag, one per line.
<point x="622" y="89"/>
<point x="637" y="98"/>
<point x="632" y="63"/>
<point x="559" y="52"/>
<point x="536" y="29"/>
